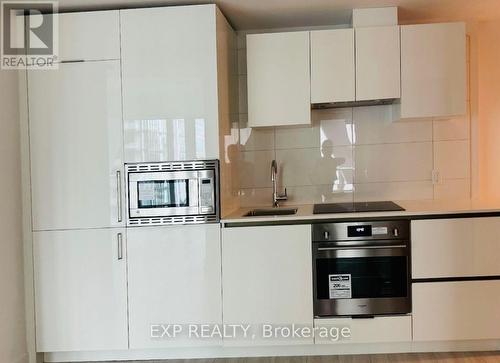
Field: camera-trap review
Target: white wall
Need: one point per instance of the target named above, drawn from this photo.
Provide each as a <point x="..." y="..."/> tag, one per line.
<point x="12" y="314"/>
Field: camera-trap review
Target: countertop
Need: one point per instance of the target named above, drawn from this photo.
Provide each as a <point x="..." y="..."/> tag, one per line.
<point x="416" y="209"/>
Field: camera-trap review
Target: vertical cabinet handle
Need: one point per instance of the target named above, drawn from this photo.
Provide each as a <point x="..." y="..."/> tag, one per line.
<point x="119" y="196"/>
<point x="119" y="238"/>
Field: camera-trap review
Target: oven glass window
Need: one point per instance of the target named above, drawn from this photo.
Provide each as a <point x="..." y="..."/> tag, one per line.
<point x="163" y="193"/>
<point x="370" y="277"/>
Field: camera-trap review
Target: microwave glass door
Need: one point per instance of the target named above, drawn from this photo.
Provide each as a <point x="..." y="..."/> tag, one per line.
<point x="163" y="193"/>
<point x="368" y="277"/>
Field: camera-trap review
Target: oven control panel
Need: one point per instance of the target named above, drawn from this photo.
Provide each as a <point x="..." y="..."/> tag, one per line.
<point x="368" y="230"/>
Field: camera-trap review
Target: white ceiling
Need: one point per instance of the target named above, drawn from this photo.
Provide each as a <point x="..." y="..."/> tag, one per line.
<point x="260" y="14"/>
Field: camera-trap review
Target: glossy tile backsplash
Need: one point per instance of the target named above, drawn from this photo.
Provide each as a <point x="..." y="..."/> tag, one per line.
<point x="354" y="154"/>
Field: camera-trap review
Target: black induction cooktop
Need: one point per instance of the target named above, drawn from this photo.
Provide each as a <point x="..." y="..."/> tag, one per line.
<point x="383" y="206"/>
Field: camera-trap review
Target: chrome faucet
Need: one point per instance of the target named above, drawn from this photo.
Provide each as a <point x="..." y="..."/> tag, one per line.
<point x="274" y="178"/>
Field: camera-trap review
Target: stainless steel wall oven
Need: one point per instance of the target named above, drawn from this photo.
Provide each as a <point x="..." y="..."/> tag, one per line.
<point x="174" y="192"/>
<point x="361" y="268"/>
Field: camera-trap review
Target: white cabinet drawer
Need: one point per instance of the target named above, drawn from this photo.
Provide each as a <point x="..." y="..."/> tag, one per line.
<point x="455" y="247"/>
<point x="456" y="310"/>
<point x="89" y="35"/>
<point x="376" y="330"/>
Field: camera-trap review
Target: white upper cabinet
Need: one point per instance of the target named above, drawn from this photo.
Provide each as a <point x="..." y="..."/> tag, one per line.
<point x="377" y="63"/>
<point x="278" y="79"/>
<point x="80" y="281"/>
<point x="76" y="146"/>
<point x="169" y="70"/>
<point x="174" y="276"/>
<point x="89" y="35"/>
<point x="332" y="66"/>
<point x="267" y="279"/>
<point x="433" y="70"/>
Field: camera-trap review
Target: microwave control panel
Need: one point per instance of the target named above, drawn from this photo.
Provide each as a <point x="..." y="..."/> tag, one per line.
<point x="207" y="195"/>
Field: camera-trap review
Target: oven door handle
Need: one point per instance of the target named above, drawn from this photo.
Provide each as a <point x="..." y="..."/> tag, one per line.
<point x="361" y="251"/>
<point x="360" y="247"/>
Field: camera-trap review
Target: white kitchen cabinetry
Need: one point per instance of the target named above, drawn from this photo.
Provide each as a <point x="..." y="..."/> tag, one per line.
<point x="174" y="277"/>
<point x="80" y="290"/>
<point x="373" y="330"/>
<point x="433" y="70"/>
<point x="377" y="63"/>
<point x="332" y="66"/>
<point x="455" y="247"/>
<point x="89" y="36"/>
<point x="76" y="146"/>
<point x="169" y="69"/>
<point x="278" y="79"/>
<point x="267" y="279"/>
<point x="465" y="310"/>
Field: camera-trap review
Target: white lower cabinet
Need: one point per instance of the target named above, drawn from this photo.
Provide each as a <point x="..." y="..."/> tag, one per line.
<point x="375" y="330"/>
<point x="80" y="290"/>
<point x="267" y="281"/>
<point x="466" y="310"/>
<point x="174" y="277"/>
<point x="455" y="247"/>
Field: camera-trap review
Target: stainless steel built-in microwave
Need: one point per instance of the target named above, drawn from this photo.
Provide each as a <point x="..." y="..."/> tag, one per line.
<point x="174" y="192"/>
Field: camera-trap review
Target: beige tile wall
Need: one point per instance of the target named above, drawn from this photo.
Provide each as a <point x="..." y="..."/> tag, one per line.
<point x="353" y="154"/>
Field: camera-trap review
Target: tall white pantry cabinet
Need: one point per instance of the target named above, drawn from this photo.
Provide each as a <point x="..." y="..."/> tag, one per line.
<point x="160" y="66"/>
<point x="76" y="149"/>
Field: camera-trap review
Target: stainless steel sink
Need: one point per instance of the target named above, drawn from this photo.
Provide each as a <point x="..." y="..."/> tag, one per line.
<point x="271" y="212"/>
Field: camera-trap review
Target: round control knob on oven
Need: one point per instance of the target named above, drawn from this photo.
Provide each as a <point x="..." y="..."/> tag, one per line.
<point x="326" y="234"/>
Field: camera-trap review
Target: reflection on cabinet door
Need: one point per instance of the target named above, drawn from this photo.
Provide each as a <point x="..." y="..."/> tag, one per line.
<point x="267" y="279"/>
<point x="169" y="65"/>
<point x="76" y="146"/>
<point x="174" y="278"/>
<point x="80" y="290"/>
<point x="378" y="63"/>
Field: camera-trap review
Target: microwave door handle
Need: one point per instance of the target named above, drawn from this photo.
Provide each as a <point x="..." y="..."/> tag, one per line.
<point x="119" y="194"/>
